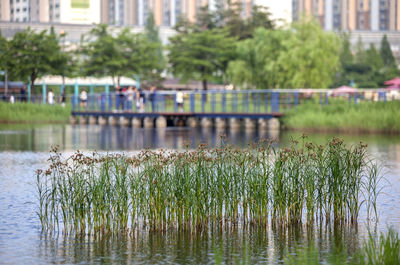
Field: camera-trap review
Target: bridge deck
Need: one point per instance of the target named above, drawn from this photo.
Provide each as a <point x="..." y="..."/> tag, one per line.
<point x="225" y="115"/>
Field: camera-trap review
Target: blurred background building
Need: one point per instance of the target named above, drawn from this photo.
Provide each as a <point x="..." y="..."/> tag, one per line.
<point x="166" y="12"/>
<point x="351" y="15"/>
<point x="365" y="19"/>
<point x="53" y="11"/>
<point x="114" y="12"/>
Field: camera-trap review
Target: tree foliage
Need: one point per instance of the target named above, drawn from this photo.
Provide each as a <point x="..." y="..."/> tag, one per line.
<point x="386" y="52"/>
<point x="126" y="54"/>
<point x="35" y="54"/>
<point x="152" y="33"/>
<point x="201" y="55"/>
<point x="345" y="55"/>
<point x="303" y="56"/>
<point x="368" y="69"/>
<point x="4" y="53"/>
<point x="256" y="64"/>
<point x="228" y="15"/>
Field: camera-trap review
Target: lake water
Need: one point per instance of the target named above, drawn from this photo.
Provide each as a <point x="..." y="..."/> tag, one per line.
<point x="24" y="149"/>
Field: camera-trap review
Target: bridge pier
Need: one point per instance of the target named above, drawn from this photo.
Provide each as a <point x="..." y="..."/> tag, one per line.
<point x="92" y="120"/>
<point x="206" y="122"/>
<point x="262" y="124"/>
<point x="161" y="122"/>
<point x="73" y="120"/>
<point x="249" y="124"/>
<point x="220" y="123"/>
<point x="274" y="124"/>
<point x="83" y="120"/>
<point x="102" y="120"/>
<point x="136" y="122"/>
<point x="124" y="121"/>
<point x="148" y="122"/>
<point x="113" y="121"/>
<point x="234" y="124"/>
<point x="192" y="122"/>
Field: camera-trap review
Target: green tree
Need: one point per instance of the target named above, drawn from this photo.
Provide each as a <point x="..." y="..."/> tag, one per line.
<point x="206" y="19"/>
<point x="386" y="52"/>
<point x="373" y="58"/>
<point x="4" y="54"/>
<point x="312" y="57"/>
<point x="126" y="54"/>
<point x="228" y="16"/>
<point x="200" y="55"/>
<point x="346" y="56"/>
<point x="256" y="62"/>
<point x="260" y="18"/>
<point x="152" y="33"/>
<point x="304" y="56"/>
<point x="34" y="54"/>
<point x="103" y="58"/>
<point x="63" y="64"/>
<point x="360" y="51"/>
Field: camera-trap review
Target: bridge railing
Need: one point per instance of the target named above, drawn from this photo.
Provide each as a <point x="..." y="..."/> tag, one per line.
<point x="242" y="101"/>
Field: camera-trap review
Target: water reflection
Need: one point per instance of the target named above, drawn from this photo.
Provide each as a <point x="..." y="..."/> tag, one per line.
<point x="251" y="246"/>
<point x="23" y="149"/>
<point x="89" y="137"/>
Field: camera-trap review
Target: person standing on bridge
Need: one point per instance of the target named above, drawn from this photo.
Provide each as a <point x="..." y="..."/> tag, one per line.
<point x="50" y="97"/>
<point x="142" y="100"/>
<point x="179" y="100"/>
<point x="130" y="93"/>
<point x="152" y="98"/>
<point x="83" y="99"/>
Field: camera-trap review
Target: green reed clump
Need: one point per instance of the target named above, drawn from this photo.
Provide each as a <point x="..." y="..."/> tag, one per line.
<point x="205" y="188"/>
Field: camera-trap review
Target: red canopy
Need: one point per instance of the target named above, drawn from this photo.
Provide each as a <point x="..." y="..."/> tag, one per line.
<point x="393" y="87"/>
<point x="344" y="89"/>
<point x="393" y="82"/>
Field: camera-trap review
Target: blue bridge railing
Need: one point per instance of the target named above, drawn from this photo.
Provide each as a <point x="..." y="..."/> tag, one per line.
<point x="242" y="101"/>
<point x="221" y="101"/>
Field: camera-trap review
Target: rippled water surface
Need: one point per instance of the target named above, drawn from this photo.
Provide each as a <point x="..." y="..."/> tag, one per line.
<point x="24" y="149"/>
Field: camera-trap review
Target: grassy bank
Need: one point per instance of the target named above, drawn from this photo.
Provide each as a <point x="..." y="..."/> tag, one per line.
<point x="33" y="113"/>
<point x="345" y="117"/>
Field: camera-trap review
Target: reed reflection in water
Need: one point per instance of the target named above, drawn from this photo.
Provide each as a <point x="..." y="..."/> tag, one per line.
<point x="249" y="246"/>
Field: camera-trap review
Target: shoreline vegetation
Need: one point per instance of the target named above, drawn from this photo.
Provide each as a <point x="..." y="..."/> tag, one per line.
<point x="33" y="113"/>
<point x="337" y="117"/>
<point x="344" y="117"/>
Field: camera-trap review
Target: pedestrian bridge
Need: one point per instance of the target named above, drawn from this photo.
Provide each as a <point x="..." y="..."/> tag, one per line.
<point x="252" y="108"/>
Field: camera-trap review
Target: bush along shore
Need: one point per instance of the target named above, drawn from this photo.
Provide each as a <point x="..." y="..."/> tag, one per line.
<point x="207" y="188"/>
<point x="33" y="113"/>
<point x="342" y="116"/>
